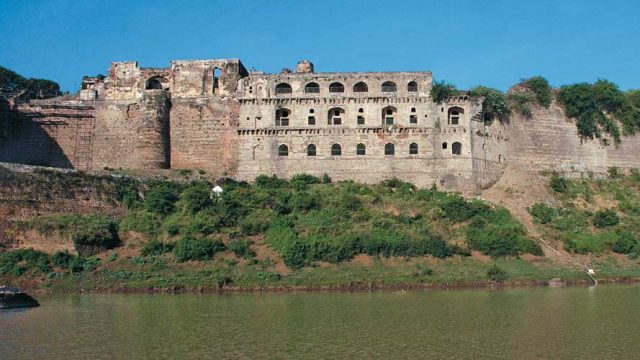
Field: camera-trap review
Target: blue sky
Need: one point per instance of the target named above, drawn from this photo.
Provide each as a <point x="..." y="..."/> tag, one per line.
<point x="493" y="43"/>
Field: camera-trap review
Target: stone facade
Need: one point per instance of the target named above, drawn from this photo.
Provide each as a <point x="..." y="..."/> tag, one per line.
<point x="366" y="126"/>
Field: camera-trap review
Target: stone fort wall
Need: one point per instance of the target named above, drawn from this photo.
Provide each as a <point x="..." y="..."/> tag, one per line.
<point x="216" y="116"/>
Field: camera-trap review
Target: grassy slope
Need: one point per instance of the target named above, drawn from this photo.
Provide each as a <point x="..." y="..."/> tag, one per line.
<point x="333" y="211"/>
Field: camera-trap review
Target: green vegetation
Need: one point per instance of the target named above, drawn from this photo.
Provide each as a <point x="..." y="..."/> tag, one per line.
<point x="533" y="90"/>
<point x="441" y="90"/>
<point x="29" y="88"/>
<point x="600" y="107"/>
<point x="495" y="102"/>
<point x="586" y="228"/>
<point x="496" y="273"/>
<point x="540" y="88"/>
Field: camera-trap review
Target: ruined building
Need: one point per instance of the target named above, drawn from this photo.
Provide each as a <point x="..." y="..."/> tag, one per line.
<point x="366" y="126"/>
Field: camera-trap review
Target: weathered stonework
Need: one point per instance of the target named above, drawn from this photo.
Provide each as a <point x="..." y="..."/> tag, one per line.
<point x="216" y="116"/>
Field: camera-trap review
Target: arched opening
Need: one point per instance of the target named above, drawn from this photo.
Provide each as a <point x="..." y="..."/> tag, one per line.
<point x="360" y="119"/>
<point x="389" y="149"/>
<point x="336" y="87"/>
<point x="388" y="115"/>
<point x="157" y="83"/>
<point x="360" y="87"/>
<point x="311" y="150"/>
<point x="360" y="150"/>
<point x="455" y="115"/>
<point x="413" y="117"/>
<point x="444" y="146"/>
<point x="336" y="150"/>
<point x="282" y="117"/>
<point x="499" y="158"/>
<point x="312" y="88"/>
<point x="283" y="88"/>
<point x="412" y="86"/>
<point x="413" y="149"/>
<point x="456" y="148"/>
<point x="335" y="116"/>
<point x="311" y="119"/>
<point x="389" y="86"/>
<point x="283" y="150"/>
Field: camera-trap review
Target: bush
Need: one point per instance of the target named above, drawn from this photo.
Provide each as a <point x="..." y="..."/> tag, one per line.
<point x="519" y="102"/>
<point x="62" y="259"/>
<point x="626" y="243"/>
<point x="540" y="88"/>
<point x="196" y="198"/>
<point x="495" y="102"/>
<point x="256" y="222"/>
<point x="543" y="213"/>
<point x="241" y="248"/>
<point x="18" y="262"/>
<point x="98" y="236"/>
<point x="495" y="273"/>
<point x="499" y="234"/>
<point x="442" y="90"/>
<point x="614" y="172"/>
<point x="605" y="218"/>
<point x="302" y="181"/>
<point x="458" y="209"/>
<point x="191" y="248"/>
<point x="559" y="184"/>
<point x="155" y="247"/>
<point x="161" y="200"/>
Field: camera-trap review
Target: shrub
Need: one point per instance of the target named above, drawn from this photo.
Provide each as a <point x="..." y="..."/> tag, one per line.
<point x="270" y="182"/>
<point x="196" y="198"/>
<point x="519" y="102"/>
<point x="441" y="90"/>
<point x="614" y="172"/>
<point x="305" y="201"/>
<point x="18" y="262"/>
<point x="543" y="213"/>
<point x="495" y="273"/>
<point x="458" y="209"/>
<point x="256" y="222"/>
<point x="191" y="248"/>
<point x="241" y="248"/>
<point x="130" y="198"/>
<point x="61" y="259"/>
<point x="495" y="102"/>
<point x="161" y="200"/>
<point x="326" y="179"/>
<point x="605" y="218"/>
<point x="155" y="247"/>
<point x="585" y="243"/>
<point x="540" y="88"/>
<point x="559" y="184"/>
<point x="302" y="181"/>
<point x="625" y="244"/>
<point x="99" y="235"/>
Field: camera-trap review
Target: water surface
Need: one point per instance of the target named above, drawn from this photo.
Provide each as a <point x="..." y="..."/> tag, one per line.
<point x="534" y="323"/>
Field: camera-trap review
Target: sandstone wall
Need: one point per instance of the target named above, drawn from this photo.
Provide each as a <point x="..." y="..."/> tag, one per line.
<point x="550" y="141"/>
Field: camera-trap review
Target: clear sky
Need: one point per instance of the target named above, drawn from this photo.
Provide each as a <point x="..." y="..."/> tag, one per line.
<point x="466" y="42"/>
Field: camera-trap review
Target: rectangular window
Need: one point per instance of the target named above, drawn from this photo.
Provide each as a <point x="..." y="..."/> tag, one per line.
<point x="337" y="121"/>
<point x="388" y="120"/>
<point x="284" y="122"/>
<point x="360" y="120"/>
<point x="413" y="119"/>
<point x="311" y="120"/>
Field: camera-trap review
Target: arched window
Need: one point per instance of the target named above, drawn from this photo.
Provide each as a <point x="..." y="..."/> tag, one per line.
<point x="157" y="83"/>
<point x="389" y="86"/>
<point x="389" y="149"/>
<point x="360" y="87"/>
<point x="311" y="150"/>
<point x="336" y="150"/>
<point x="335" y="116"/>
<point x="282" y="117"/>
<point x="444" y="146"/>
<point x="388" y="115"/>
<point x="283" y="88"/>
<point x="336" y="87"/>
<point x="413" y="149"/>
<point x="283" y="150"/>
<point x="455" y="115"/>
<point x="456" y="148"/>
<point x="312" y="88"/>
<point x="412" y="86"/>
<point x="413" y="117"/>
<point x="360" y="150"/>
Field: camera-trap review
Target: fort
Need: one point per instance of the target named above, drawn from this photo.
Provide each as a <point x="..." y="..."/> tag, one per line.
<point x="366" y="126"/>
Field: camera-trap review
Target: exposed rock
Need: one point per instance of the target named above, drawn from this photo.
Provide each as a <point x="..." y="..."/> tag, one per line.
<point x="11" y="297"/>
<point x="555" y="282"/>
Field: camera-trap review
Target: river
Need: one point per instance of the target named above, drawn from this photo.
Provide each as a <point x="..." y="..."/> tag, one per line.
<point x="532" y="323"/>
